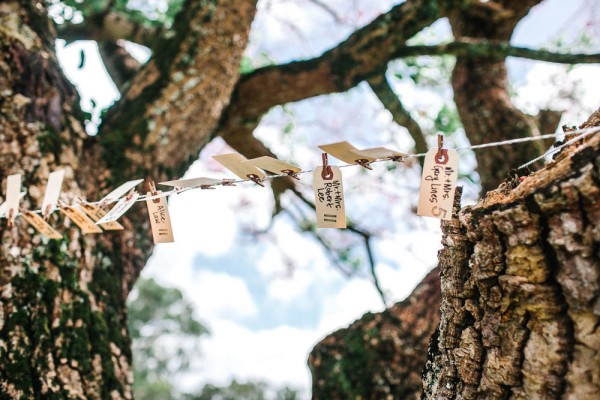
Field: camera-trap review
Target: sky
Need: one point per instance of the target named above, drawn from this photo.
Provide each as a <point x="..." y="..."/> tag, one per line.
<point x="269" y="297"/>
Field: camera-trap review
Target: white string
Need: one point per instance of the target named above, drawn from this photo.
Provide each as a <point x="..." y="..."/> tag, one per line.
<point x="581" y="134"/>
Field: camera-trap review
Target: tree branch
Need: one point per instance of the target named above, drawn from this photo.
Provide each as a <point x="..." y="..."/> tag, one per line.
<point x="401" y="116"/>
<point x="120" y="65"/>
<point x="339" y="69"/>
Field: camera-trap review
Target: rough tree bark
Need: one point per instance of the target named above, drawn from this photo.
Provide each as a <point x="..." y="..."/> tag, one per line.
<point x="62" y="303"/>
<point x="520" y="275"/>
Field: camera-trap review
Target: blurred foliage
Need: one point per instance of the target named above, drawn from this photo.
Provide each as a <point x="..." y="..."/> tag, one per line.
<point x="152" y="13"/>
<point x="165" y="337"/>
<point x="243" y="391"/>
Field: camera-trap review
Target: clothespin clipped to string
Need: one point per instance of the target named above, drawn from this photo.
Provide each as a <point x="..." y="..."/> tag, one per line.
<point x="438" y="182"/>
<point x="274" y="165"/>
<point x="52" y="193"/>
<point x="351" y="155"/>
<point x="116" y="194"/>
<point x="326" y="172"/>
<point x="79" y="218"/>
<point x="13" y="195"/>
<point x="124" y="204"/>
<point x="235" y="163"/>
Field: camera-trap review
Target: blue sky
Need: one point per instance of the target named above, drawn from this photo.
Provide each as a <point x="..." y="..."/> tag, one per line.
<point x="267" y="299"/>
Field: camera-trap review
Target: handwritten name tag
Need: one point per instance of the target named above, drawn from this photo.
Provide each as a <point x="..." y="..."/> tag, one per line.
<point x="119" y="209"/>
<point x="438" y="183"/>
<point x="40" y="225"/>
<point x="160" y="221"/>
<point x="96" y="214"/>
<point x="80" y="219"/>
<point x="329" y="199"/>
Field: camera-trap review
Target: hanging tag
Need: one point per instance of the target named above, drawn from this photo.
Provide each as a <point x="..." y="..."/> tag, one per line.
<point x="329" y="199"/>
<point x="119" y="192"/>
<point x="233" y="162"/>
<point x="160" y="221"/>
<point x="120" y="208"/>
<point x="348" y="153"/>
<point x="13" y="195"/>
<point x="4" y="206"/>
<point x="96" y="214"/>
<point x="438" y="183"/>
<point x="272" y="165"/>
<point x="52" y="192"/>
<point x="192" y="183"/>
<point x="80" y="219"/>
<point x="40" y="225"/>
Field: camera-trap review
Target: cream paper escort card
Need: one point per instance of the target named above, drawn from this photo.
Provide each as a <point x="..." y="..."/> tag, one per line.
<point x="233" y="162"/>
<point x="40" y="225"/>
<point x="191" y="183"/>
<point x="348" y="153"/>
<point x="438" y="183"/>
<point x="13" y="195"/>
<point x="329" y="199"/>
<point x="96" y="214"/>
<point x="120" y="208"/>
<point x="80" y="219"/>
<point x="120" y="191"/>
<point x="52" y="192"/>
<point x="160" y="221"/>
<point x="272" y="165"/>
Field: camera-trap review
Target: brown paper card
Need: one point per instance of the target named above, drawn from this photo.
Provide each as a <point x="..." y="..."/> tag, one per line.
<point x="438" y="183"/>
<point x="348" y="153"/>
<point x="52" y="191"/>
<point x="124" y="204"/>
<point x="329" y="199"/>
<point x="40" y="225"/>
<point x="193" y="182"/>
<point x="80" y="219"/>
<point x="120" y="191"/>
<point x="233" y="162"/>
<point x="96" y="213"/>
<point x="272" y="165"/>
<point x="160" y="221"/>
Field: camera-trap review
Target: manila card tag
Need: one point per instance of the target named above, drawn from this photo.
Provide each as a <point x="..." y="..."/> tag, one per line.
<point x="160" y="221"/>
<point x="40" y="225"/>
<point x="329" y="199"/>
<point x="80" y="219"/>
<point x="438" y="183"/>
<point x="96" y="214"/>
<point x="119" y="209"/>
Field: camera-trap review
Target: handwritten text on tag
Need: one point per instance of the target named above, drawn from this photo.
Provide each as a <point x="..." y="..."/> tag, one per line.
<point x="160" y="221"/>
<point x="80" y="219"/>
<point x="96" y="213"/>
<point x="438" y="183"/>
<point x="329" y="199"/>
<point x="40" y="225"/>
<point x="119" y="209"/>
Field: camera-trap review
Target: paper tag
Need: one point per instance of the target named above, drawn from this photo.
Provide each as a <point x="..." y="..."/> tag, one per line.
<point x="160" y="221"/>
<point x="96" y="214"/>
<point x="80" y="219"/>
<point x="348" y="153"/>
<point x="52" y="191"/>
<point x="329" y="199"/>
<point x="120" y="191"/>
<point x="13" y="194"/>
<point x="40" y="225"/>
<point x="438" y="183"/>
<point x="193" y="182"/>
<point x="233" y="162"/>
<point x="272" y="165"/>
<point x="119" y="209"/>
<point x="4" y="206"/>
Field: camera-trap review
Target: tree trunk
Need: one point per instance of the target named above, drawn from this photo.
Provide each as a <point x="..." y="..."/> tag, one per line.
<point x="520" y="276"/>
<point x="63" y="330"/>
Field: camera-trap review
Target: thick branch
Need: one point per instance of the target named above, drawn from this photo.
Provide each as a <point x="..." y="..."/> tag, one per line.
<point x="339" y="69"/>
<point x="120" y="65"/>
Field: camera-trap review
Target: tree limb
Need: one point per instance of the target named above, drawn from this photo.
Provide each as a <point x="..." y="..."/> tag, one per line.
<point x="120" y="65"/>
<point x="401" y="116"/>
